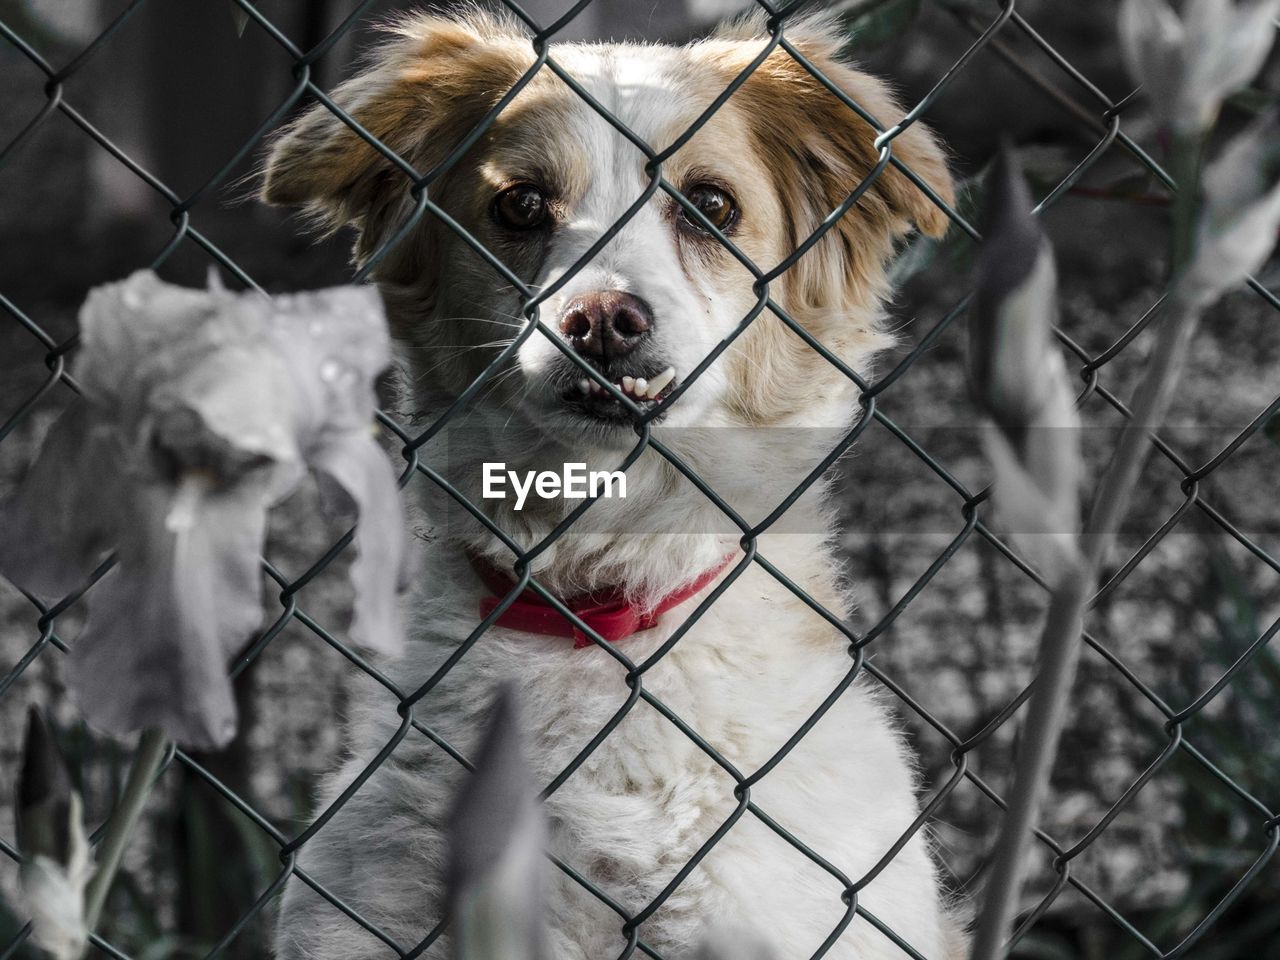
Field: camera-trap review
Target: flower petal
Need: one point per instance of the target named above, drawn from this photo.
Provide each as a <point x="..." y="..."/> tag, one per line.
<point x="1040" y="512"/>
<point x="141" y="325"/>
<point x="43" y="813"/>
<point x="164" y="624"/>
<point x="226" y="412"/>
<point x="363" y="474"/>
<point x="1241" y="214"/>
<point x="1011" y="319"/>
<point x="55" y="528"/>
<point x="335" y="344"/>
<point x="1151" y="38"/>
<point x="1233" y="40"/>
<point x="57" y="862"/>
<point x="496" y="833"/>
<point x="1018" y="377"/>
<point x="53" y="897"/>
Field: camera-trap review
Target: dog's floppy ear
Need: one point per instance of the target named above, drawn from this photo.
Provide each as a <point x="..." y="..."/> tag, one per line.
<point x="820" y="149"/>
<point x="853" y="138"/>
<point x="421" y="92"/>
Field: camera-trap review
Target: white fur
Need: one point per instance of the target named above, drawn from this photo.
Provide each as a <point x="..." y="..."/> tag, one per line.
<point x="745" y="677"/>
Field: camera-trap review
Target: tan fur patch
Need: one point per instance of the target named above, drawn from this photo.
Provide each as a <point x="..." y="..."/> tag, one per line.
<point x="427" y="90"/>
<point x="816" y="151"/>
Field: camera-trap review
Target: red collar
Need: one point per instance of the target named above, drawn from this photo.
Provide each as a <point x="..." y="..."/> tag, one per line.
<point x="609" y="613"/>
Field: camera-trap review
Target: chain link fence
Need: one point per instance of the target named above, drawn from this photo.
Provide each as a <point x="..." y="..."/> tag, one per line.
<point x="963" y="747"/>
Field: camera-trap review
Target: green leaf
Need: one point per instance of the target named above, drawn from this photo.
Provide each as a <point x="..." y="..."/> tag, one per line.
<point x="1253" y="100"/>
<point x="873" y="23"/>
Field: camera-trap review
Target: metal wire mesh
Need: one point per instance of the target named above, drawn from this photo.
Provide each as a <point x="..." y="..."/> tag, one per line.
<point x="1101" y="118"/>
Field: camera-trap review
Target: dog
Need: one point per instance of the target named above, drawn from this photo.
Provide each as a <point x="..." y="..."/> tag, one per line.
<point x="539" y="188"/>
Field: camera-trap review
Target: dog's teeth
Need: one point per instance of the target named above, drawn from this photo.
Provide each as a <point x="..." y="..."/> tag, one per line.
<point x="584" y="385"/>
<point x="595" y="387"/>
<point x="628" y="384"/>
<point x="659" y="383"/>
<point x="641" y="386"/>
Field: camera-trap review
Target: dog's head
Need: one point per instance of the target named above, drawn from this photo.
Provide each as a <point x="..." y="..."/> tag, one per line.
<point x="542" y="185"/>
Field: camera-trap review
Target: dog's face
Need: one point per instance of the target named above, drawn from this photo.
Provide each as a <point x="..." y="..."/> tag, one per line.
<point x="551" y="177"/>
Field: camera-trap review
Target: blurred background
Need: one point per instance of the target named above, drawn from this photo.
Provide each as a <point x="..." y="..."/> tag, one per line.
<point x="179" y="91"/>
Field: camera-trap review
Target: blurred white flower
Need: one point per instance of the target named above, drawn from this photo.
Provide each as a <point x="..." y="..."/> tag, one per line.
<point x="1190" y="64"/>
<point x="200" y="411"/>
<point x="1017" y="376"/>
<point x="56" y="863"/>
<point x="1241" y="212"/>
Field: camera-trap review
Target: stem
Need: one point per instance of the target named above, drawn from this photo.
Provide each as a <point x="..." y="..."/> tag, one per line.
<point x="1038" y="746"/>
<point x="1059" y="653"/>
<point x="1185" y="158"/>
<point x="1151" y="402"/>
<point x="142" y="774"/>
<point x="1150" y="405"/>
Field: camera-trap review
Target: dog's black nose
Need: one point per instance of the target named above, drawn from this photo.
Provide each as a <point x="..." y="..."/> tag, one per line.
<point x="606" y="323"/>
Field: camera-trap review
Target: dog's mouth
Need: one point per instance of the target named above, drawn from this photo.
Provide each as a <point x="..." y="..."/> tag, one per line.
<point x="586" y="397"/>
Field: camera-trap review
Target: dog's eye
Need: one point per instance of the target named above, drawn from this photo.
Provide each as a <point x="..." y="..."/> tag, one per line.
<point x="714" y="204"/>
<point x="521" y="207"/>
